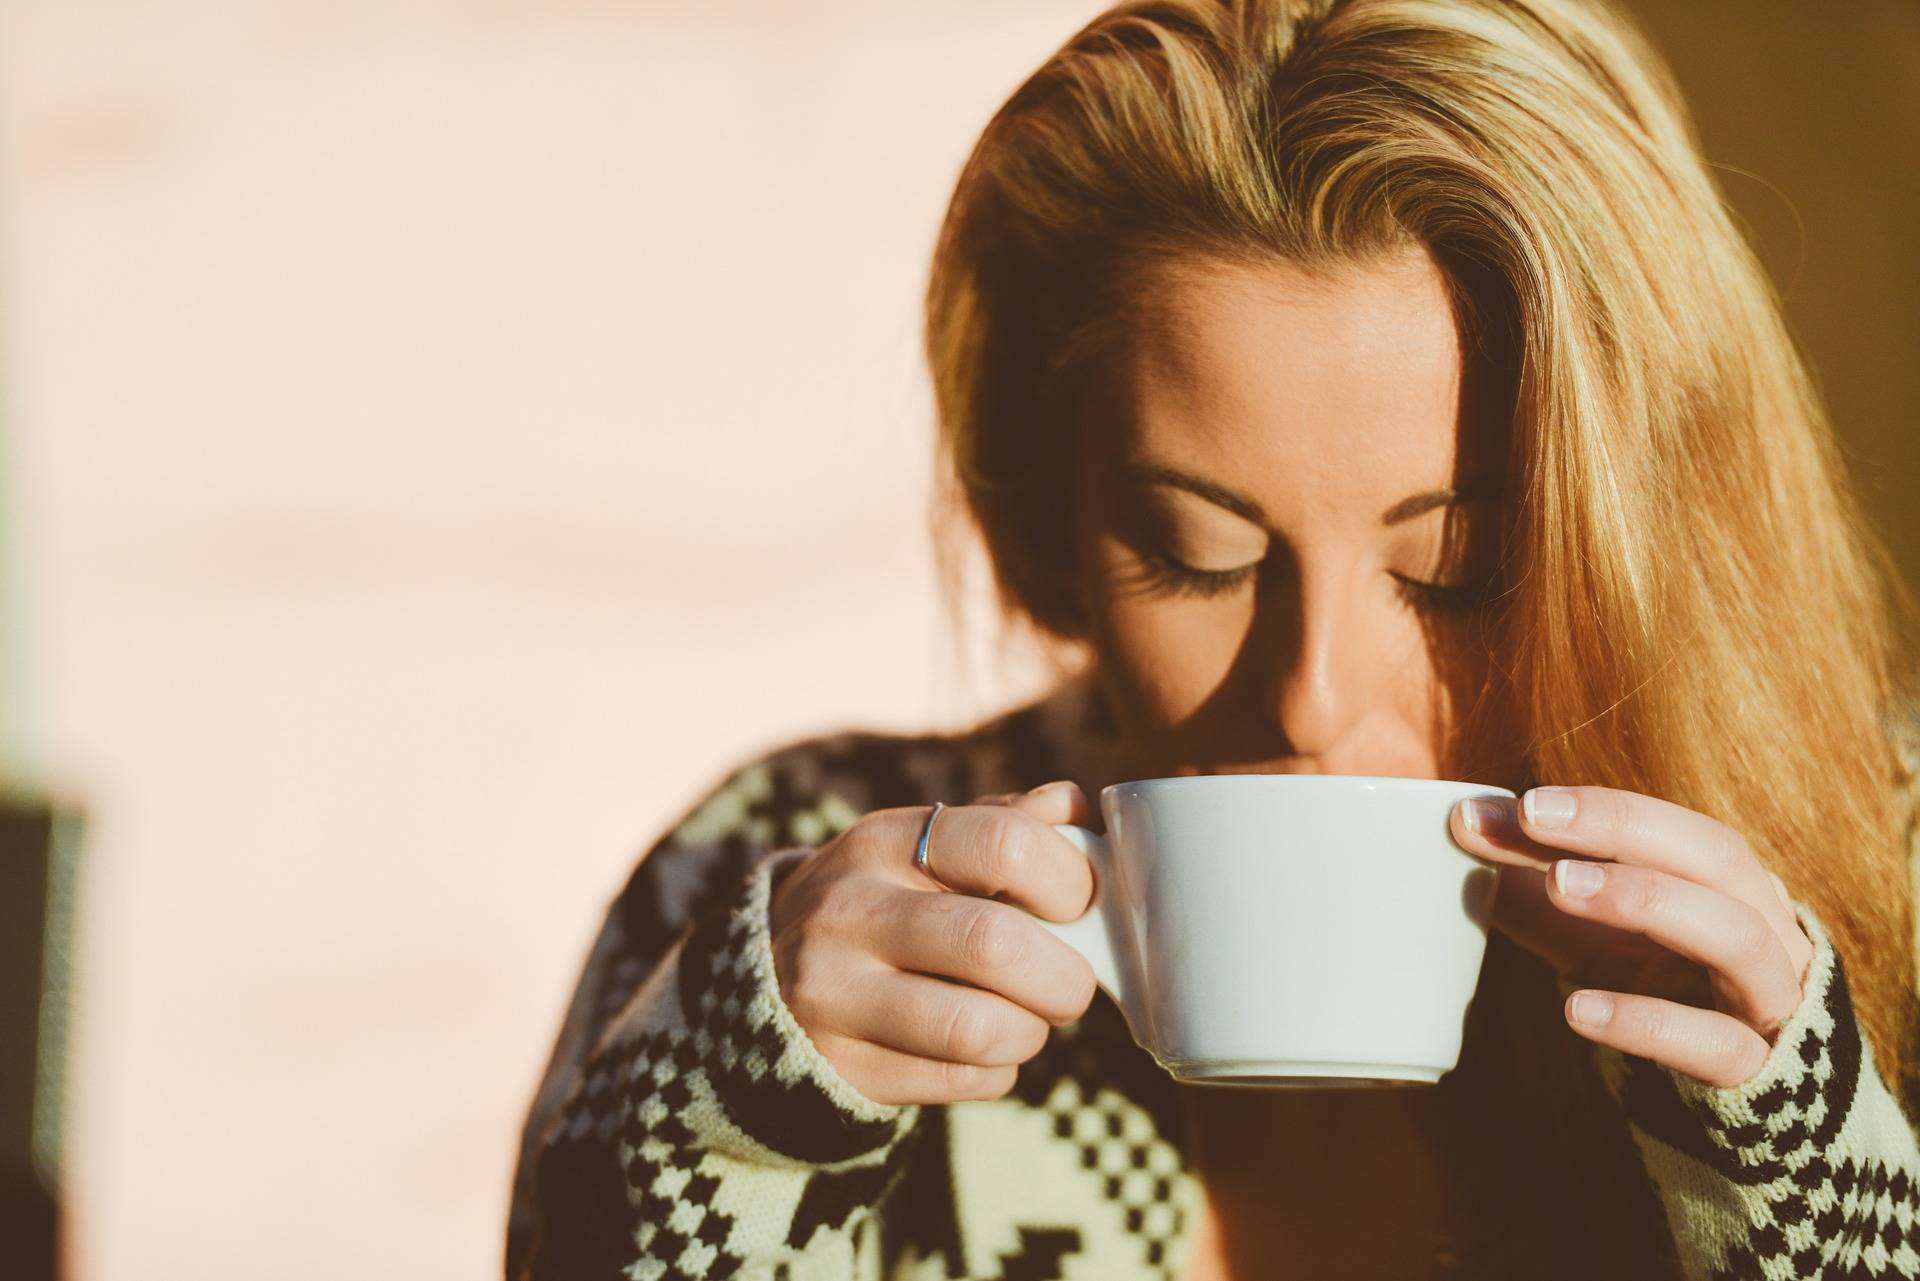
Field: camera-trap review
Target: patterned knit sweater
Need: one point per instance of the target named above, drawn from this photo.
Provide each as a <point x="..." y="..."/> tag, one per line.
<point x="688" y="1128"/>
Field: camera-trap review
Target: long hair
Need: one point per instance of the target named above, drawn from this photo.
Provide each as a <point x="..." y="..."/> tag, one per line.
<point x="1692" y="604"/>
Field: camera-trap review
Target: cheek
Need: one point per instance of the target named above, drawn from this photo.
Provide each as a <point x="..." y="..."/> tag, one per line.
<point x="1475" y="713"/>
<point x="1167" y="652"/>
<point x="1173" y="653"/>
<point x="1423" y="711"/>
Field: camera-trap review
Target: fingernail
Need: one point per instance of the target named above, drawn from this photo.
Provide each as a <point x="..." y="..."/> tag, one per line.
<point x="1578" y="880"/>
<point x="1056" y="785"/>
<point x="1488" y="816"/>
<point x="1548" y="806"/>
<point x="1594" y="1009"/>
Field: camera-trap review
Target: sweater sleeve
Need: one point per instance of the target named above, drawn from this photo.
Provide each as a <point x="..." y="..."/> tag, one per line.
<point x="714" y="1138"/>
<point x="685" y="1125"/>
<point x="1809" y="1169"/>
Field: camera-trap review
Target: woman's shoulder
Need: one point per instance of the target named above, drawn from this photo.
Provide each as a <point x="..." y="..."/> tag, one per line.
<point x="805" y="791"/>
<point x="802" y="790"/>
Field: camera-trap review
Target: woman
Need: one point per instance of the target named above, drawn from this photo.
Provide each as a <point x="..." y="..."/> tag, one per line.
<point x="1365" y="387"/>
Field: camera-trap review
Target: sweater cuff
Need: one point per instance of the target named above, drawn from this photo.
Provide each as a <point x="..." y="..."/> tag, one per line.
<point x="1800" y="1095"/>
<point x="1813" y="1068"/>
<point x="766" y="1074"/>
<point x="1806" y="1169"/>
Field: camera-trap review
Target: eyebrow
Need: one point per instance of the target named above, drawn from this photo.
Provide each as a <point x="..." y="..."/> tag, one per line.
<point x="1477" y="489"/>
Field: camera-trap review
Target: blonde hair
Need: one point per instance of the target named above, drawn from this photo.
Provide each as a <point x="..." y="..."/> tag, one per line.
<point x="1694" y="607"/>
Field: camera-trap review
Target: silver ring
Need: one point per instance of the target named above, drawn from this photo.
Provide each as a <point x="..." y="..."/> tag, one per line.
<point x="920" y="852"/>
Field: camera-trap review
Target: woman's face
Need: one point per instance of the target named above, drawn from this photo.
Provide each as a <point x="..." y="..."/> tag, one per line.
<point x="1287" y="511"/>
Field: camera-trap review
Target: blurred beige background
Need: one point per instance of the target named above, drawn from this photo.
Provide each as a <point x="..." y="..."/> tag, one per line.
<point x="444" y="436"/>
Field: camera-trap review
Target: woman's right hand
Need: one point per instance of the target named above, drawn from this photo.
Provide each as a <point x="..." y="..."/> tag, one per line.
<point x="920" y="995"/>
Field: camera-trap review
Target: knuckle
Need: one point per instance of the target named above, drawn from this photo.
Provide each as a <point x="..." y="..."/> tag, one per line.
<point x="968" y="1036"/>
<point x="968" y="1081"/>
<point x="961" y="1080"/>
<point x="1657" y="1028"/>
<point x="870" y="826"/>
<point x="943" y="921"/>
<point x="1754" y="941"/>
<point x="990" y="939"/>
<point x="1068" y="991"/>
<point x="948" y="913"/>
<point x="1079" y="992"/>
<point x="1728" y="853"/>
<point x="1000" y="1080"/>
<point x="1727" y="857"/>
<point x="850" y="906"/>
<point x="878" y="834"/>
<point x="837" y="906"/>
<point x="1007" y="855"/>
<point x="1605" y="812"/>
<point x="1030" y="1037"/>
<point x="805" y="984"/>
<point x="1643" y="897"/>
<point x="859" y="841"/>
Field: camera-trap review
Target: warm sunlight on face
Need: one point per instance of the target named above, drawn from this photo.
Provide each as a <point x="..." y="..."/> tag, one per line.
<point x="1287" y="522"/>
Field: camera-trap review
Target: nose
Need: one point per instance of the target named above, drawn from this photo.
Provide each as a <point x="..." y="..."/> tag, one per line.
<point x="1324" y="671"/>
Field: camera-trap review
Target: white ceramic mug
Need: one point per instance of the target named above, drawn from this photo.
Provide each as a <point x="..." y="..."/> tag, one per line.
<point x="1287" y="929"/>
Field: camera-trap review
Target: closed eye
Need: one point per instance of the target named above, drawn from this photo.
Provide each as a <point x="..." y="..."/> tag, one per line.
<point x="1177" y="578"/>
<point x="1446" y="598"/>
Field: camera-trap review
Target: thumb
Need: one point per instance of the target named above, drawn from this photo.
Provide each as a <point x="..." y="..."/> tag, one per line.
<point x="1060" y="801"/>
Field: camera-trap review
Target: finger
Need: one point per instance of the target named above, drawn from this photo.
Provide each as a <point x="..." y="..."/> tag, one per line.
<point x="1061" y="801"/>
<point x="1705" y="1044"/>
<point x="887" y="1076"/>
<point x="988" y="850"/>
<point x="1523" y="911"/>
<point x="1488" y="827"/>
<point x="934" y="1019"/>
<point x="1627" y="827"/>
<point x="1780" y="891"/>
<point x="1733" y="940"/>
<point x="987" y="944"/>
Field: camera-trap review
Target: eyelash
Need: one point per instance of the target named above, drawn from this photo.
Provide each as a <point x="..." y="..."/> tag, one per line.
<point x="1170" y="575"/>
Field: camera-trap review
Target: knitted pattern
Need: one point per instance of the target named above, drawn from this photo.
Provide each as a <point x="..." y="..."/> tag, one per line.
<point x="687" y="1127"/>
<point x="1807" y="1169"/>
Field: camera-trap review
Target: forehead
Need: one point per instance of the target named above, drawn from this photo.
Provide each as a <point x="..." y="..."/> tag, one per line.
<point x="1271" y="375"/>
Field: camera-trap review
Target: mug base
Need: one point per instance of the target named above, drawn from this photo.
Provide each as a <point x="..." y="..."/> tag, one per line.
<point x="1299" y="1074"/>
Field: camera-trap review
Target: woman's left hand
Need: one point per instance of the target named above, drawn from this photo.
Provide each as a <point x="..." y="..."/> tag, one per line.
<point x="1690" y="946"/>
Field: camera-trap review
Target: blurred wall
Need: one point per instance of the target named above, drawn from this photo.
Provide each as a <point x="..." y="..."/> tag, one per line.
<point x="447" y="437"/>
<point x="1811" y="115"/>
<point x="448" y="434"/>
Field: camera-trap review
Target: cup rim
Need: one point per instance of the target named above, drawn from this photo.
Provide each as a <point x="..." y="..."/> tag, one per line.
<point x="1242" y="780"/>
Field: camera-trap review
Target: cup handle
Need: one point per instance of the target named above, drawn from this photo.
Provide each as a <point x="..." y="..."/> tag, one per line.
<point x="1089" y="935"/>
